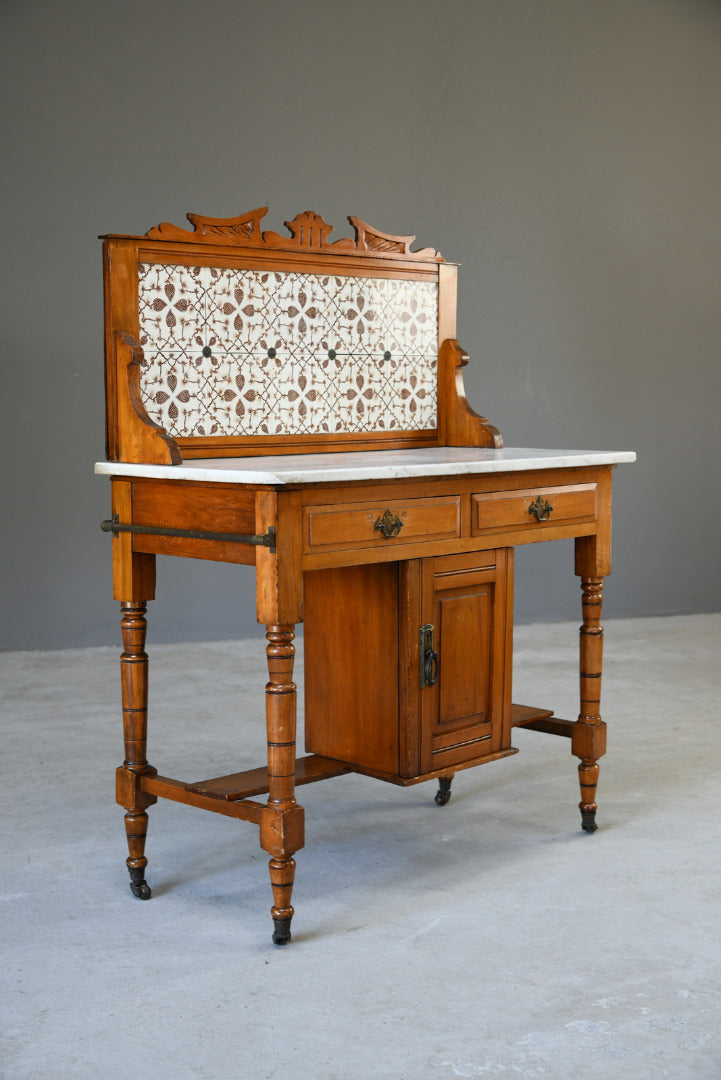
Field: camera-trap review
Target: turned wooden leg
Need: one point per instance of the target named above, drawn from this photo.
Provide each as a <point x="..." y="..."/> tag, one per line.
<point x="589" y="734"/>
<point x="281" y="827"/>
<point x="134" y="681"/>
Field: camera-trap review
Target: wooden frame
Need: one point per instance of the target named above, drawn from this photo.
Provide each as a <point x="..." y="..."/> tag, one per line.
<point x="132" y="436"/>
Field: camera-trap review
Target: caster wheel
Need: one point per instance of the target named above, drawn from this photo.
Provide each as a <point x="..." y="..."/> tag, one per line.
<point x="281" y="931"/>
<point x="139" y="886"/>
<point x="443" y="795"/>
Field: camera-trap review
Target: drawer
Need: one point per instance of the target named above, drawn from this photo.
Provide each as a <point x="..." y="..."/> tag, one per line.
<point x="352" y="525"/>
<point x="533" y="508"/>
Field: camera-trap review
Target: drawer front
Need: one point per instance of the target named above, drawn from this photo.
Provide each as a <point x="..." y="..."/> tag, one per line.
<point x="205" y="508"/>
<point x="189" y="506"/>
<point x="381" y="523"/>
<point x="533" y="508"/>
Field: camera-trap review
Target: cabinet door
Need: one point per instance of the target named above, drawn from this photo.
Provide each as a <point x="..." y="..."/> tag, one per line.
<point x="465" y="714"/>
<point x="365" y="699"/>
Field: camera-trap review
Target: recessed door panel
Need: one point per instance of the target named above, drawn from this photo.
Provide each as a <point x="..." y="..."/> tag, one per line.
<point x="464" y="670"/>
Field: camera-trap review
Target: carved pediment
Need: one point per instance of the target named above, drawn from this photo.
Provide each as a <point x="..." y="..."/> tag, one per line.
<point x="308" y="232"/>
<point x="236" y="230"/>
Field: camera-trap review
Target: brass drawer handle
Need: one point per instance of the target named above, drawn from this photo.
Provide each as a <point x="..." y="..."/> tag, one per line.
<point x="388" y="524"/>
<point x="540" y="508"/>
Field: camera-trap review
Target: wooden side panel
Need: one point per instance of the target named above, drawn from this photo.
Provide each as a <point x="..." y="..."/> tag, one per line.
<point x="133" y="573"/>
<point x="409" y="666"/>
<point x="351" y="665"/>
<point x="120" y="277"/>
<point x="447" y="301"/>
<point x="593" y="553"/>
<point x="130" y="434"/>
<point x="278" y="576"/>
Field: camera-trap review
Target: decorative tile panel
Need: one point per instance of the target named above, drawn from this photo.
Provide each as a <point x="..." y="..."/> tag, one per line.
<point x="235" y="352"/>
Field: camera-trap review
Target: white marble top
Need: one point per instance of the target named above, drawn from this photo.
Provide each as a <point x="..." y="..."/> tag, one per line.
<point x="366" y="465"/>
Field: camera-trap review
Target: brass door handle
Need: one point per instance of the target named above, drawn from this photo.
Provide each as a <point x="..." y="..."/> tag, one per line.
<point x="388" y="524"/>
<point x="540" y="508"/>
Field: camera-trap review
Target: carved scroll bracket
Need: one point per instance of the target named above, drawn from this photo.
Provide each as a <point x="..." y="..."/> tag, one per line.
<point x="140" y="438"/>
<point x="458" y="424"/>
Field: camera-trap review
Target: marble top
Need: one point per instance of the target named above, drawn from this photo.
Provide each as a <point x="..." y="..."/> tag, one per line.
<point x="284" y="469"/>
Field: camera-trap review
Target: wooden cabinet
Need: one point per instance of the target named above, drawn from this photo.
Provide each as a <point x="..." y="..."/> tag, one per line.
<point x="408" y="664"/>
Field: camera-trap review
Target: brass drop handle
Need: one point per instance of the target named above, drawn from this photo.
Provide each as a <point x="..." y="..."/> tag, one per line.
<point x="540" y="508"/>
<point x="388" y="524"/>
<point x="429" y="657"/>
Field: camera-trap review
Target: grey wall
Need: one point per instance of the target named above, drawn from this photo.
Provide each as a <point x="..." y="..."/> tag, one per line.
<point x="567" y="152"/>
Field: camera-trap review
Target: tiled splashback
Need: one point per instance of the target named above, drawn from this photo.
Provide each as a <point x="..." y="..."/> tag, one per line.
<point x="254" y="352"/>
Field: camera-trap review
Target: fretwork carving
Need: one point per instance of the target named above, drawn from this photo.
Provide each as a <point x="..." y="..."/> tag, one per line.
<point x="308" y="232"/>
<point x="243" y="230"/>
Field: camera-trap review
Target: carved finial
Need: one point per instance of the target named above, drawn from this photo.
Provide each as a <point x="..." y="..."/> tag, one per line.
<point x="309" y="229"/>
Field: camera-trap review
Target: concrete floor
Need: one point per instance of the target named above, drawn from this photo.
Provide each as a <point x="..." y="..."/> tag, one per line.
<point x="491" y="938"/>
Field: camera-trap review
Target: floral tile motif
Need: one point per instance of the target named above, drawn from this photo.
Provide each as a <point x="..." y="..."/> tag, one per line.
<point x="251" y="352"/>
